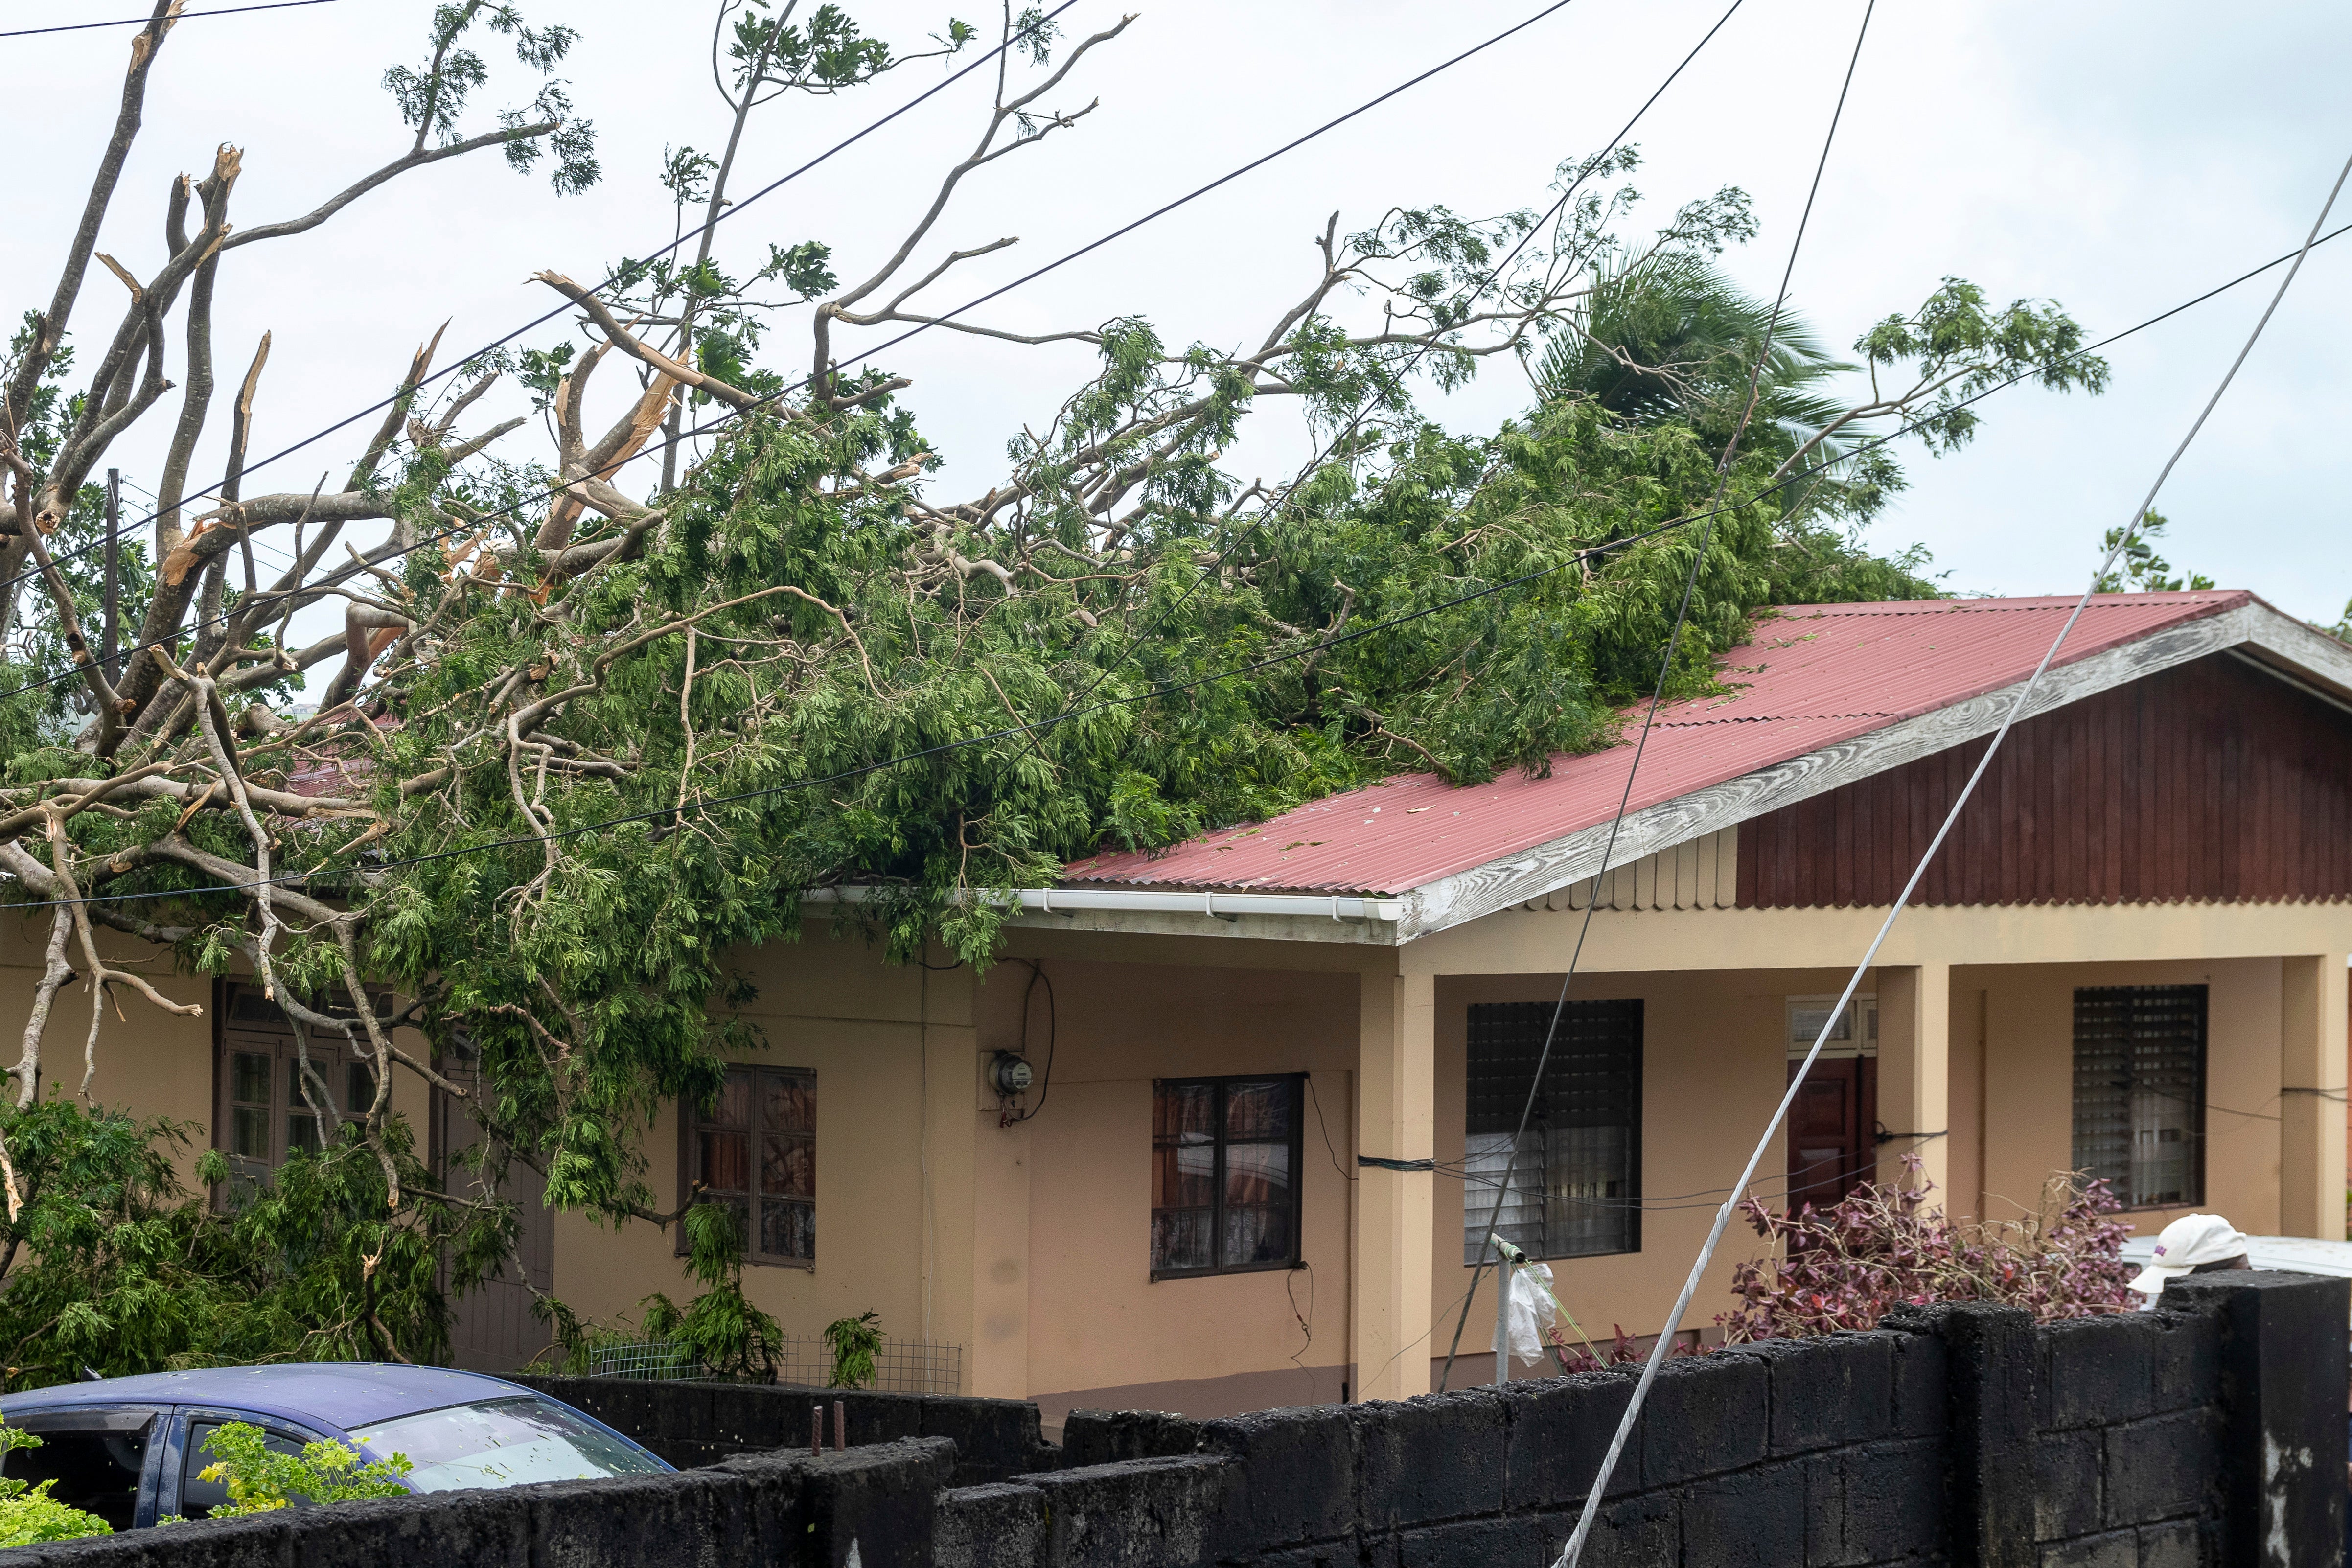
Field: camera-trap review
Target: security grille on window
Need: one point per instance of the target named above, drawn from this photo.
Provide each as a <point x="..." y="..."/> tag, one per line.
<point x="2139" y="1091"/>
<point x="754" y="1151"/>
<point x="1575" y="1186"/>
<point x="1224" y="1163"/>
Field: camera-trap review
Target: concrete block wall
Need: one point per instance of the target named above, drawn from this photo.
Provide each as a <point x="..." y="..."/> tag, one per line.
<point x="2207" y="1435"/>
<point x="700" y="1423"/>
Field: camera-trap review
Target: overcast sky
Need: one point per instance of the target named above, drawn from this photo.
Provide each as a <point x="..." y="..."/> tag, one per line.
<point x="2115" y="158"/>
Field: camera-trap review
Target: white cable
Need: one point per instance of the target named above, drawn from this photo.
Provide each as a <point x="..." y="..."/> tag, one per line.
<point x="1664" y="1345"/>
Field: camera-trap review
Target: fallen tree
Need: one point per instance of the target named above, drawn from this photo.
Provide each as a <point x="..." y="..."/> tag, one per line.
<point x="583" y="733"/>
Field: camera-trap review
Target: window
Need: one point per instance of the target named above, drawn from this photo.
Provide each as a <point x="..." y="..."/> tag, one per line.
<point x="753" y="1149"/>
<point x="1224" y="1163"/>
<point x="262" y="1115"/>
<point x="2139" y="1091"/>
<point x="1576" y="1183"/>
<point x="95" y="1457"/>
<point x="199" y="1496"/>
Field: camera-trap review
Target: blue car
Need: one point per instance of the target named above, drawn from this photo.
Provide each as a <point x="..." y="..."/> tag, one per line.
<point x="129" y="1449"/>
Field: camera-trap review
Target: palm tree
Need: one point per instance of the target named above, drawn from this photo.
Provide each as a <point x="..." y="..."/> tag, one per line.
<point x="1670" y="339"/>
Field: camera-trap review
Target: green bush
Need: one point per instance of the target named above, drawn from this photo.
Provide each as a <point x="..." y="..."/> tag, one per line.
<point x="28" y="1514"/>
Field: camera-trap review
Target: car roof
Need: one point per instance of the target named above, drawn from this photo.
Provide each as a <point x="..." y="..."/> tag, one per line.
<point x="343" y="1394"/>
<point x="2291" y="1254"/>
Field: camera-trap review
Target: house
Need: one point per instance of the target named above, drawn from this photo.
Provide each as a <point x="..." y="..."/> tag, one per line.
<point x="1221" y="1128"/>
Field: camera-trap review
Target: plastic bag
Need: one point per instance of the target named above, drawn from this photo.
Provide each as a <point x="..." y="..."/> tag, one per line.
<point x="1533" y="1312"/>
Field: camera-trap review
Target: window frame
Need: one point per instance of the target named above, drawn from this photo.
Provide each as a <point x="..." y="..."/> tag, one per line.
<point x="1636" y="1097"/>
<point x="334" y="1060"/>
<point x="1298" y="1085"/>
<point x="2195" y="1195"/>
<point x="692" y="1121"/>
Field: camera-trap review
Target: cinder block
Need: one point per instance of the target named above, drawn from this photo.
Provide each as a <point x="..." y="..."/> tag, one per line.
<point x="1638" y="1533"/>
<point x="1825" y="1544"/>
<point x="1988" y="1371"/>
<point x="995" y="1526"/>
<point x="1829" y="1392"/>
<point x="2167" y="1466"/>
<point x="1295" y="1477"/>
<point x="2068" y="1500"/>
<point x="494" y="1528"/>
<point x="2119" y="1549"/>
<point x="1921" y="1398"/>
<point x="1558" y="1429"/>
<point x="612" y="1520"/>
<point x="1436" y="1458"/>
<point x="777" y="1515"/>
<point x="1895" y="1502"/>
<point x="994" y="1438"/>
<point x="1705" y="1414"/>
<point x="878" y="1502"/>
<point x="2092" y="1370"/>
<point x="2282" y="1358"/>
<point x="1751" y="1521"/>
<point x="1106" y="1436"/>
<point x="1145" y="1513"/>
<point x="2184" y="1360"/>
<point x="2182" y="1543"/>
<point x="1474" y="1543"/>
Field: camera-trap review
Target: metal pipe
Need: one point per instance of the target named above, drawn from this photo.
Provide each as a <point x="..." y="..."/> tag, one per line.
<point x="1063" y="901"/>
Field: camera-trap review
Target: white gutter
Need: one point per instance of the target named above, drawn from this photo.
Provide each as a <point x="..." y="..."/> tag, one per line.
<point x="1207" y="902"/>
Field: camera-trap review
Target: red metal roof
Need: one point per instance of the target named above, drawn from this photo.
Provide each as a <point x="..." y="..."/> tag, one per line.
<point x="1814" y="675"/>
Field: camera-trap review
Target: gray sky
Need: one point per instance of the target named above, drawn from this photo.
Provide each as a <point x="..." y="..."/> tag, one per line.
<point x="2117" y="159"/>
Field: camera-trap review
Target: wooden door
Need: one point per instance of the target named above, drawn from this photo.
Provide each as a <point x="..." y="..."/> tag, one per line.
<point x="1833" y="1143"/>
<point x="490" y="1327"/>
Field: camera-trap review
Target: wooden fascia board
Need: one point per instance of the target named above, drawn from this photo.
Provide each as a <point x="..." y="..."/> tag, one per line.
<point x="1546" y="868"/>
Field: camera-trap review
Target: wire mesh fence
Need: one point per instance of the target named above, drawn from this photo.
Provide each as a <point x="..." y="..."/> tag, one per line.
<point x="901" y="1366"/>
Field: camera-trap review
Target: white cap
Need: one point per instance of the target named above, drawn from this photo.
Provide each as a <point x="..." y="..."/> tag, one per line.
<point x="2184" y="1244"/>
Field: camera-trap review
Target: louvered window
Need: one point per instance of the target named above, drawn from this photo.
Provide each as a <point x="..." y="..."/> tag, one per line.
<point x="1575" y="1186"/>
<point x="2139" y="1091"/>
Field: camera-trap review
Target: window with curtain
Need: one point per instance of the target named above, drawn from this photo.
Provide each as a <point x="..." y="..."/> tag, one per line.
<point x="753" y="1149"/>
<point x="1575" y="1181"/>
<point x="262" y="1115"/>
<point x="2139" y="1091"/>
<point x="1224" y="1175"/>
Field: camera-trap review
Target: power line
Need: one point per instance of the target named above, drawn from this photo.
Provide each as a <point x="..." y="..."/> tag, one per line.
<point x="2123" y="536"/>
<point x="694" y="233"/>
<point x="1355" y="421"/>
<point x="1665" y="673"/>
<point x="1178" y="688"/>
<point x="770" y="398"/>
<point x="143" y="21"/>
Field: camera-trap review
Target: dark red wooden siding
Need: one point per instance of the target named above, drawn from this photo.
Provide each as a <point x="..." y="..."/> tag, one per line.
<point x="2210" y="782"/>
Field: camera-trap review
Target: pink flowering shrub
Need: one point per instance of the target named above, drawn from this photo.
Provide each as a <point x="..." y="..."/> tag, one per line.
<point x="1846" y="1266"/>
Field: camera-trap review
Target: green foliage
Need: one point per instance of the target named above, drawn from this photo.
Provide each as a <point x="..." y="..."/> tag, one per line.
<point x="110" y="1264"/>
<point x="261" y="1479"/>
<point x="853" y="1341"/>
<point x="2140" y="570"/>
<point x="434" y="97"/>
<point x="28" y="1515"/>
<point x="720" y="1329"/>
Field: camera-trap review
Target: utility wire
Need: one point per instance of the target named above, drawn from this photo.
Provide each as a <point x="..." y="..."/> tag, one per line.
<point x="1355" y="421"/>
<point x="867" y="356"/>
<point x="691" y="236"/>
<point x="1658" y="694"/>
<point x="1178" y="688"/>
<point x="143" y="21"/>
<point x="1575" y="1547"/>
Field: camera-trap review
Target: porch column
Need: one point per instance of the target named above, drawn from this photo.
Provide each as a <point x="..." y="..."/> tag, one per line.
<point x="1395" y="1235"/>
<point x="2311" y="1108"/>
<point x="1914" y="1017"/>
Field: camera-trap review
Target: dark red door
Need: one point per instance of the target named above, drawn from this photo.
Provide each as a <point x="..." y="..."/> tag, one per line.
<point x="1831" y="1146"/>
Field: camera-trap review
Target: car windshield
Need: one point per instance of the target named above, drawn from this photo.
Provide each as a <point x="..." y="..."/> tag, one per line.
<point x="502" y="1443"/>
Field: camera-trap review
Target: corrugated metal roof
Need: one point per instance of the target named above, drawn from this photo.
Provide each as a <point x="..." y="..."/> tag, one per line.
<point x="1815" y="674"/>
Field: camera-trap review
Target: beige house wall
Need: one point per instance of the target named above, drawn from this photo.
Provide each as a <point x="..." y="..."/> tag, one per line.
<point x="1027" y="1244"/>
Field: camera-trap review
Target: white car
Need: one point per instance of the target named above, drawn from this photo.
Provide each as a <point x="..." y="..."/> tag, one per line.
<point x="2292" y="1254"/>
